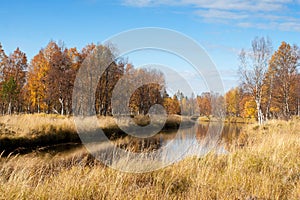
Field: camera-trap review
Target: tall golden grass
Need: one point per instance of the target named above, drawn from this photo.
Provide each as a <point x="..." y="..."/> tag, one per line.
<point x="263" y="163"/>
<point x="28" y="125"/>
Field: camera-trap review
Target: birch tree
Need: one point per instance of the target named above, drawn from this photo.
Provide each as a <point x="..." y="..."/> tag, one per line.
<point x="252" y="70"/>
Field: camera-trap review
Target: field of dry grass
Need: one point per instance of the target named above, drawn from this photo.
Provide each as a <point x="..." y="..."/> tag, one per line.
<point x="236" y="120"/>
<point x="263" y="163"/>
<point x="36" y="124"/>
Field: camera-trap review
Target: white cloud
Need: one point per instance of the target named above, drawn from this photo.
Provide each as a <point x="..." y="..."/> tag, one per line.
<point x="282" y="26"/>
<point x="238" y="5"/>
<point x="137" y="3"/>
<point x="262" y="14"/>
<point x="220" y="14"/>
<point x="145" y="3"/>
<point x="254" y="5"/>
<point x="212" y="46"/>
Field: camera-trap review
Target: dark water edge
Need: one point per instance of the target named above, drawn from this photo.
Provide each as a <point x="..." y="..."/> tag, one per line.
<point x="58" y="143"/>
<point x="23" y="145"/>
<point x="65" y="139"/>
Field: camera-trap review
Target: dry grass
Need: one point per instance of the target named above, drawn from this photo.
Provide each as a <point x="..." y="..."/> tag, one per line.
<point x="264" y="163"/>
<point x="237" y="120"/>
<point x="30" y="125"/>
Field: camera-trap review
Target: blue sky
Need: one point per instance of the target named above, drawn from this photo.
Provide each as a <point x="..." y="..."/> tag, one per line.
<point x="222" y="27"/>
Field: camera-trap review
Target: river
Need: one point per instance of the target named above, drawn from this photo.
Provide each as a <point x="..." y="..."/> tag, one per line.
<point x="196" y="140"/>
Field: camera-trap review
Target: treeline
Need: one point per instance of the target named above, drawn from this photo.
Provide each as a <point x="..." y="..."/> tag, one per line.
<point x="45" y="84"/>
<point x="270" y="83"/>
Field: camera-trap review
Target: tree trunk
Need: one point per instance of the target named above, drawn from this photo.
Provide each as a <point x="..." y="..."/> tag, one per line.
<point x="268" y="109"/>
<point x="298" y="107"/>
<point x="61" y="101"/>
<point x="286" y="90"/>
<point x="55" y="111"/>
<point x="106" y="92"/>
<point x="287" y="109"/>
<point x="259" y="112"/>
<point x="38" y="105"/>
<point x="9" y="108"/>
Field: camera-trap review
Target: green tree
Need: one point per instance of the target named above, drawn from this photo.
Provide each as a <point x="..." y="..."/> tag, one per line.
<point x="9" y="93"/>
<point x="15" y="68"/>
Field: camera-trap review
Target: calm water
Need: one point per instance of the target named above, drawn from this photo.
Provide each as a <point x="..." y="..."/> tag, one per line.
<point x="196" y="140"/>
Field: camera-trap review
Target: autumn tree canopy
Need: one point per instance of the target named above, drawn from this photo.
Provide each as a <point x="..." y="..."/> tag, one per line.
<point x="269" y="88"/>
<point x="271" y="81"/>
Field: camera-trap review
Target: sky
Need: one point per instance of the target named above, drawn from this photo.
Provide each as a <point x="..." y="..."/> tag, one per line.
<point x="221" y="27"/>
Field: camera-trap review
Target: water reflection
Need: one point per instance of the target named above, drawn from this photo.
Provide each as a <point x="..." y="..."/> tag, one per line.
<point x="165" y="147"/>
<point x="197" y="140"/>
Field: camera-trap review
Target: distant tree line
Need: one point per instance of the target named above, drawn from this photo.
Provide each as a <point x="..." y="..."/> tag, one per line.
<point x="270" y="83"/>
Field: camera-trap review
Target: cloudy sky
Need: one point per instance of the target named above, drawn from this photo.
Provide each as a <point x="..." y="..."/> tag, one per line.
<point x="222" y="27"/>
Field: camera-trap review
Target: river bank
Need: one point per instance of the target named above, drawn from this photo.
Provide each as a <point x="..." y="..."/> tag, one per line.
<point x="235" y="120"/>
<point x="261" y="163"/>
<point x="22" y="133"/>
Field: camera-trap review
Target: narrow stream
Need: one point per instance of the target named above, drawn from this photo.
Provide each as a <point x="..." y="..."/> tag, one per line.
<point x="196" y="140"/>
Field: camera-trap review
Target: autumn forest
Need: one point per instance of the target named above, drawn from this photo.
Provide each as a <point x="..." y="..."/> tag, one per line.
<point x="269" y="84"/>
